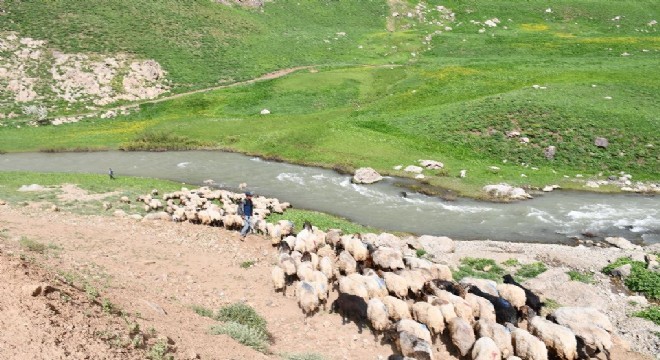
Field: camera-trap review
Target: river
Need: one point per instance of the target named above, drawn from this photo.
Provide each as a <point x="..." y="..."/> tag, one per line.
<point x="552" y="217"/>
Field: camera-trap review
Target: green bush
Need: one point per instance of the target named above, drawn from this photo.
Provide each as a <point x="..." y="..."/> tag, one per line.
<point x="244" y="334"/>
<point x="202" y="311"/>
<point x="641" y="279"/>
<point x="652" y="313"/>
<point x="420" y="253"/>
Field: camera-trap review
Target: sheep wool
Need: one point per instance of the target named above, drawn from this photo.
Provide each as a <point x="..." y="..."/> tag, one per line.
<point x="396" y="284"/>
<point x="557" y="338"/>
<point x="378" y="315"/>
<point x="527" y="346"/>
<point x="462" y="335"/>
<point x="325" y="265"/>
<point x="396" y="308"/>
<point x="308" y="298"/>
<point x="278" y="277"/>
<point x="486" y="349"/>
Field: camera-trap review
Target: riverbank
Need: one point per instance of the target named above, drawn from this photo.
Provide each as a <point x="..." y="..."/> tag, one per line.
<point x="161" y="269"/>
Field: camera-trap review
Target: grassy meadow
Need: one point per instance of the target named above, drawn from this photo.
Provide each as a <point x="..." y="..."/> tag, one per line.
<point x="383" y="94"/>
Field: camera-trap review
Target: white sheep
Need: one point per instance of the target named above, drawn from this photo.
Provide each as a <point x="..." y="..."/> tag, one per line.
<point x="353" y="285"/>
<point x="515" y="295"/>
<point x="429" y="315"/>
<point x="346" y="263"/>
<point x="557" y="338"/>
<point x="375" y="286"/>
<point x="497" y="332"/>
<point x="288" y="264"/>
<point x="333" y="237"/>
<point x="396" y="284"/>
<point x="378" y="315"/>
<point x="486" y="349"/>
<point x="388" y="258"/>
<point x="526" y="345"/>
<point x="415" y="280"/>
<point x="396" y="308"/>
<point x="481" y="308"/>
<point x="308" y="298"/>
<point x="414" y="340"/>
<point x="305" y="271"/>
<point x="278" y="277"/>
<point x="461" y="306"/>
<point x="446" y="308"/>
<point x="462" y="334"/>
<point x="325" y="266"/>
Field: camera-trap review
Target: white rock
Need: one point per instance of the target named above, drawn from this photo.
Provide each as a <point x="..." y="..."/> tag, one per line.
<point x="366" y="175"/>
<point x="413" y="169"/>
<point x="265" y="112"/>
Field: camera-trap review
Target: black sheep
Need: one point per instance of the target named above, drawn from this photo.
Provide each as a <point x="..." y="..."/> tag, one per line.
<point x="504" y="311"/>
<point x="532" y="300"/>
<point x="351" y="307"/>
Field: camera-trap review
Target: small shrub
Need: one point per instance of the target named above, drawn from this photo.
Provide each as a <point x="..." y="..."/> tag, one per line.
<point x="91" y="291"/>
<point x="202" y="311"/>
<point x="32" y="245"/>
<point x="652" y="313"/>
<point x="529" y="271"/>
<point x="244" y="334"/>
<point x="420" y="253"/>
<point x="247" y="264"/>
<point x="511" y="262"/>
<point x="242" y="314"/>
<point x="108" y="307"/>
<point x="159" y="351"/>
<point x="586" y="278"/>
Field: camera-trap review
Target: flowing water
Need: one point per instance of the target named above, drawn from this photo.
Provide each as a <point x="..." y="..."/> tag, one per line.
<point x="550" y="217"/>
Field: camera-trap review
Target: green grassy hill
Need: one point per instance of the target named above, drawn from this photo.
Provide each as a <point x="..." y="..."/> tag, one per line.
<point x="392" y="82"/>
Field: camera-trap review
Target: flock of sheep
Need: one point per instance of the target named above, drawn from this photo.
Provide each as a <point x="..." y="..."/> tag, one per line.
<point x="378" y="281"/>
<point x="416" y="303"/>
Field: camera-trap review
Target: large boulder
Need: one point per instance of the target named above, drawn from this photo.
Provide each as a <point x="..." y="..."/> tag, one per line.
<point x="366" y="175"/>
<point x="438" y="246"/>
<point x="506" y="192"/>
<point x="431" y="164"/>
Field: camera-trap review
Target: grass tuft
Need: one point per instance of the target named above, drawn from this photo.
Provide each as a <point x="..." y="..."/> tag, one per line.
<point x="202" y="311"/>
<point x="479" y="268"/>
<point x="32" y="245"/>
<point x="584" y="277"/>
<point x="247" y="264"/>
<point x="244" y="315"/>
<point x="641" y="279"/>
<point x="244" y="334"/>
<point x="528" y="271"/>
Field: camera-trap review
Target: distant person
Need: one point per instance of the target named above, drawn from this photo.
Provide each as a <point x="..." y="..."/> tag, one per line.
<point x="111" y="174"/>
<point x="245" y="210"/>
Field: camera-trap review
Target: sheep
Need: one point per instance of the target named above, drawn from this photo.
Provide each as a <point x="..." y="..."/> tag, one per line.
<point x="375" y="286"/>
<point x="513" y="294"/>
<point x="351" y="307"/>
<point x="504" y="311"/>
<point x="325" y="265"/>
<point x="125" y="200"/>
<point x="290" y="241"/>
<point x="232" y="222"/>
<point x="320" y="281"/>
<point x="591" y="327"/>
<point x="378" y="315"/>
<point x="388" y="258"/>
<point x="498" y="333"/>
<point x="414" y="340"/>
<point x="396" y="308"/>
<point x="441" y="272"/>
<point x="527" y="346"/>
<point x="288" y="264"/>
<point x="358" y="249"/>
<point x="275" y="233"/>
<point x="286" y="226"/>
<point x="461" y="307"/>
<point x="333" y="237"/>
<point x="560" y="341"/>
<point x="155" y="204"/>
<point x="462" y="334"/>
<point x="278" y="277"/>
<point x="305" y="271"/>
<point x="532" y="300"/>
<point x="415" y="280"/>
<point x="308" y="298"/>
<point x="486" y="349"/>
<point x="446" y="309"/>
<point x="429" y="315"/>
<point x="353" y="285"/>
<point x="346" y="263"/>
<point x="396" y="284"/>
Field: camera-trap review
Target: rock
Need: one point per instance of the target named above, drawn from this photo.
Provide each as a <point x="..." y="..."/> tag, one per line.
<point x="119" y="213"/>
<point x="155" y="307"/>
<point x="638" y="299"/>
<point x="512" y="133"/>
<point x="398" y="167"/>
<point x="419" y="176"/>
<point x="622" y="271"/>
<point x="463" y="173"/>
<point x="601" y="142"/>
<point x="33" y="187"/>
<point x="431" y="164"/>
<point x="107" y="206"/>
<point x="366" y="175"/>
<point x="54" y="208"/>
<point x="621" y="243"/>
<point x="548" y="188"/>
<point x="506" y="192"/>
<point x="3" y="202"/>
<point x="592" y="184"/>
<point x="524" y="140"/>
<point x="135" y="216"/>
<point x="265" y="112"/>
<point x="438" y="246"/>
<point x="413" y="169"/>
<point x="550" y="152"/>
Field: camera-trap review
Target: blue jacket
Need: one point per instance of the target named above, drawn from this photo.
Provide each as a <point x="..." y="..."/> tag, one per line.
<point x="245" y="208"/>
